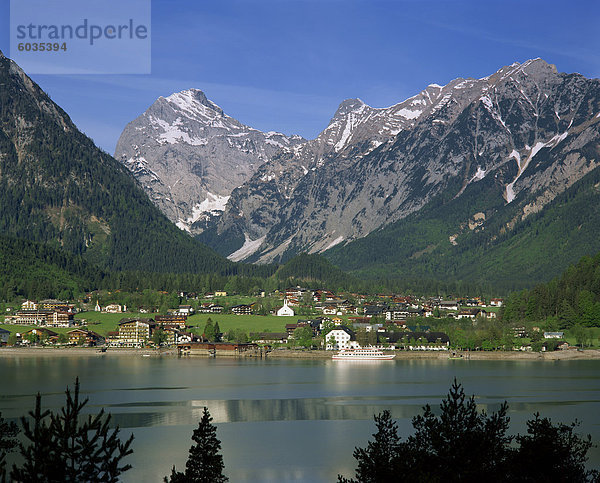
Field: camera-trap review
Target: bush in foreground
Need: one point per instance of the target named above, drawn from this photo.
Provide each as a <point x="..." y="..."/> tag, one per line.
<point x="8" y="443"/>
<point x="66" y="447"/>
<point x="464" y="445"/>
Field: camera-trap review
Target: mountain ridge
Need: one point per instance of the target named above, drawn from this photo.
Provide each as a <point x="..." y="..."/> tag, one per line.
<point x="290" y="210"/>
<point x="57" y="187"/>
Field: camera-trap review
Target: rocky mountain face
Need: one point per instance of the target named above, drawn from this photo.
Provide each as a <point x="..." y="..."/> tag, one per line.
<point x="257" y="207"/>
<point x="189" y="155"/>
<point x="519" y="138"/>
<point x="57" y="187"/>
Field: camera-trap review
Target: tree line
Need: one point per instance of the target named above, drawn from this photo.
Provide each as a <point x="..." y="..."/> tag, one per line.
<point x="573" y="299"/>
<point x="37" y="270"/>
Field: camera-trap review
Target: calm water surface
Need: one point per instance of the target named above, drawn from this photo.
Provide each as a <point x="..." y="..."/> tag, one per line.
<point x="288" y="420"/>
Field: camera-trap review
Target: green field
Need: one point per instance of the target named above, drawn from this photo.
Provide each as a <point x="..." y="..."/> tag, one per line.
<point x="103" y="323"/>
<point x="248" y="323"/>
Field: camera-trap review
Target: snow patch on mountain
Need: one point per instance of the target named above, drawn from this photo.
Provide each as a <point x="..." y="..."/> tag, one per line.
<point x="210" y="204"/>
<point x="173" y="135"/>
<point x="182" y="226"/>
<point x="480" y="174"/>
<point x="194" y="103"/>
<point x="248" y="248"/>
<point x="335" y="242"/>
<point x="410" y="114"/>
<point x="510" y="194"/>
<point x="213" y="205"/>
<point x="346" y="134"/>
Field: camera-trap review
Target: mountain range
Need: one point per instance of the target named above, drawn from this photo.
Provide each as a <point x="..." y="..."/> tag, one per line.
<point x="493" y="181"/>
<point x="457" y="172"/>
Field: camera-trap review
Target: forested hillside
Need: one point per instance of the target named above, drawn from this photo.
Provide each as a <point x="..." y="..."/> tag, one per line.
<point x="36" y="270"/>
<point x="571" y="299"/>
<point x="56" y="186"/>
<point x="446" y="242"/>
<point x="315" y="268"/>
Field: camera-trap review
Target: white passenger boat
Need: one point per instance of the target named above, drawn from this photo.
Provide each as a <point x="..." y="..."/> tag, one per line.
<point x="369" y="354"/>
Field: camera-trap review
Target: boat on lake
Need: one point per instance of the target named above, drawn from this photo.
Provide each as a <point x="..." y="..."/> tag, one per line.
<point x="368" y="354"/>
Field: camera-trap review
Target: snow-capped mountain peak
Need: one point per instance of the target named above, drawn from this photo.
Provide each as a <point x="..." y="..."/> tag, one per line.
<point x="193" y="100"/>
<point x="186" y="152"/>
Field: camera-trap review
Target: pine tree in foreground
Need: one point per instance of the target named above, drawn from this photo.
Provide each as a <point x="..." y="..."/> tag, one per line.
<point x="8" y="442"/>
<point x="463" y="444"/>
<point x="65" y="447"/>
<point x="204" y="464"/>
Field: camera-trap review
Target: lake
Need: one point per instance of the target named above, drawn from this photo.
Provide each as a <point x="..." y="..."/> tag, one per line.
<point x="288" y="420"/>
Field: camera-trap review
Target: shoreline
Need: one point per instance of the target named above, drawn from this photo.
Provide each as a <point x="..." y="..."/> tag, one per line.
<point x="589" y="354"/>
<point x="81" y="351"/>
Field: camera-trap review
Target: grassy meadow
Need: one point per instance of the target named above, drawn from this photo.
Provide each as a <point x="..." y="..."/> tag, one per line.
<point x="102" y="323"/>
<point x="247" y="323"/>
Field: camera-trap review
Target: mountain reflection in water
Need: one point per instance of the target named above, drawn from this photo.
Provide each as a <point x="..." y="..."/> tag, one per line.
<point x="288" y="420"/>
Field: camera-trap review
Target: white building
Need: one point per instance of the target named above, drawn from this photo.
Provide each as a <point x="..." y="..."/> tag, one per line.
<point x="341" y="338"/>
<point x="114" y="309"/>
<point x="186" y="310"/>
<point x="133" y="333"/>
<point x="554" y="335"/>
<point x="286" y="310"/>
<point x="449" y="305"/>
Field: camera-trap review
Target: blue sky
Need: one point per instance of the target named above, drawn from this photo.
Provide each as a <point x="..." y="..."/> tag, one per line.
<point x="285" y="65"/>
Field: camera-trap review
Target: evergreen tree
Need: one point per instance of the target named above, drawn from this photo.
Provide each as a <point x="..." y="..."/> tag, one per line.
<point x="464" y="445"/>
<point x="461" y="437"/>
<point x="217" y="330"/>
<point x="36" y="465"/>
<point x="204" y="464"/>
<point x="8" y="432"/>
<point x="556" y="449"/>
<point x="63" y="448"/>
<point x="379" y="460"/>
<point x="209" y="330"/>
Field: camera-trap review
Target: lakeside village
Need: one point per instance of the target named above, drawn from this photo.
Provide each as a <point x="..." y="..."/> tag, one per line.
<point x="335" y="322"/>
